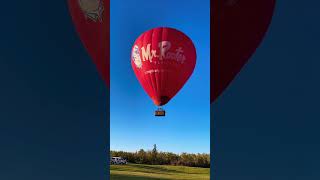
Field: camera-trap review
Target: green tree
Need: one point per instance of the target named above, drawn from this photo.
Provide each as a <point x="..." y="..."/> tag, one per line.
<point x="164" y="158"/>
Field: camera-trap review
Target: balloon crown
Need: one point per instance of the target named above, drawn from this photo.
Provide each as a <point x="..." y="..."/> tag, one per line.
<point x="92" y="9"/>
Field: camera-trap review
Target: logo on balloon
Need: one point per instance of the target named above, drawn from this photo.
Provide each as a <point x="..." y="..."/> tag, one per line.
<point x="164" y="46"/>
<point x="136" y="56"/>
<point x="92" y="9"/>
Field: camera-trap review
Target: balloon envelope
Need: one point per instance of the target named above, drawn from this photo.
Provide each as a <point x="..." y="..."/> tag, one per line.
<point x="163" y="59"/>
<point x="238" y="27"/>
<point x="92" y="21"/>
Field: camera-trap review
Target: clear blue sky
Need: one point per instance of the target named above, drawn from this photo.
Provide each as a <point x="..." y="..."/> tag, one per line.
<point x="186" y="128"/>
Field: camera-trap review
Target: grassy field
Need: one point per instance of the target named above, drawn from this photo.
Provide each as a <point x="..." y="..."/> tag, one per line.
<point x="160" y="172"/>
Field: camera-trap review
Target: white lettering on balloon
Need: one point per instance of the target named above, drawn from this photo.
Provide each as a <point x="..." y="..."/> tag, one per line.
<point x="156" y="71"/>
<point x="164" y="46"/>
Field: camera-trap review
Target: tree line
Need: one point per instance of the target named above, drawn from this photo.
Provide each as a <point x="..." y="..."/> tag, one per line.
<point x="154" y="157"/>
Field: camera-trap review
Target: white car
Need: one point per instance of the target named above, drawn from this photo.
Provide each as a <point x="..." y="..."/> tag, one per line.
<point x="118" y="160"/>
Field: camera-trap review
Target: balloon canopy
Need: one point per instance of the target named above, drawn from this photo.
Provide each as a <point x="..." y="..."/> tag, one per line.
<point x="238" y="27"/>
<point x="163" y="59"/>
<point x="92" y="21"/>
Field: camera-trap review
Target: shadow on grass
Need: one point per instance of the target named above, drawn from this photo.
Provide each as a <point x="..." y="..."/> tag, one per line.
<point x="154" y="169"/>
<point x="129" y="177"/>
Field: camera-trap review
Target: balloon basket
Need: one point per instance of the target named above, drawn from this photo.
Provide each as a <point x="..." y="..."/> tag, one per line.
<point x="160" y="112"/>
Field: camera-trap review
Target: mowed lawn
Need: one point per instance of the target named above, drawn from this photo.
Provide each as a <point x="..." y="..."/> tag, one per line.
<point x="153" y="172"/>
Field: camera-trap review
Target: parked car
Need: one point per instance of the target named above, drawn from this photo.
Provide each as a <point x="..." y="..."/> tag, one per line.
<point x="118" y="160"/>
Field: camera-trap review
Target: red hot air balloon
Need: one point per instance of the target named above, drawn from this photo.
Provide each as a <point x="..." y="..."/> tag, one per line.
<point x="163" y="59"/>
<point x="238" y="27"/>
<point x="92" y="21"/>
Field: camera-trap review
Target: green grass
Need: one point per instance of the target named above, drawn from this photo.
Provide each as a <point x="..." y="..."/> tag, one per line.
<point x="157" y="172"/>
